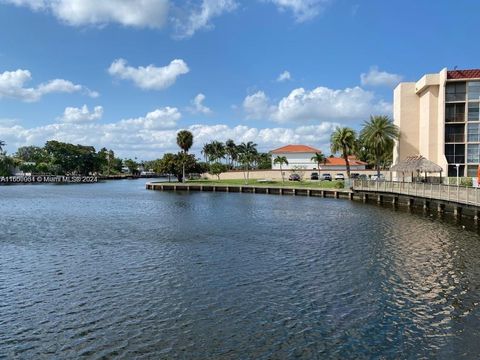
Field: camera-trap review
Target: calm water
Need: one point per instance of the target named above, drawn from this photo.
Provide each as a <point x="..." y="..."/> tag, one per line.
<point x="111" y="270"/>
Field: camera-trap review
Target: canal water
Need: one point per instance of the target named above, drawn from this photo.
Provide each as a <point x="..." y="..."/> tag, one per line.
<point x="111" y="270"/>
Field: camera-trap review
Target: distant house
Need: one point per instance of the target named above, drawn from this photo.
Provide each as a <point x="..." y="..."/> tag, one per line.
<point x="338" y="163"/>
<point x="297" y="156"/>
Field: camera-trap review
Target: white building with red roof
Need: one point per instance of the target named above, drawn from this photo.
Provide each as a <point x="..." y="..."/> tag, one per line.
<point x="300" y="156"/>
<point x="297" y="156"/>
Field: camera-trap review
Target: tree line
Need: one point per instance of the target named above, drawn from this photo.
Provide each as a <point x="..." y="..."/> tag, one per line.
<point x="218" y="157"/>
<point x="60" y="158"/>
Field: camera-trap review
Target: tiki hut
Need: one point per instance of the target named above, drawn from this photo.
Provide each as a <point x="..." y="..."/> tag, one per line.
<point x="417" y="164"/>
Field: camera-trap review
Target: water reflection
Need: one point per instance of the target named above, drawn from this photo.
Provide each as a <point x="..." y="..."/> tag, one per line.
<point x="112" y="270"/>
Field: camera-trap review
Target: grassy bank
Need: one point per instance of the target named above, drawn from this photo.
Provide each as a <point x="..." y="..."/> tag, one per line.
<point x="275" y="183"/>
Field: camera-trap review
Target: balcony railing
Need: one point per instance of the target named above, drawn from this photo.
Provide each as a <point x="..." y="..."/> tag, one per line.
<point x="455" y="97"/>
<point x="455" y="118"/>
<point x="458" y="194"/>
<point x="455" y="138"/>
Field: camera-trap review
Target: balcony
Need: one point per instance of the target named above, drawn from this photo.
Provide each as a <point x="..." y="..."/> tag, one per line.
<point x="455" y="138"/>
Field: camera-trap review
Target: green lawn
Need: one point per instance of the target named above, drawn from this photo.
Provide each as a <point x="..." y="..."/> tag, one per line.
<point x="301" y="184"/>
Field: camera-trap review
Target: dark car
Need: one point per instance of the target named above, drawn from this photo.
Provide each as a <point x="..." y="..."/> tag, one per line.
<point x="327" y="177"/>
<point x="294" y="177"/>
<point x="314" y="176"/>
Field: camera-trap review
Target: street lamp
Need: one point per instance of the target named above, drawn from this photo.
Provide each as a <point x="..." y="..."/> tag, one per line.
<point x="458" y="166"/>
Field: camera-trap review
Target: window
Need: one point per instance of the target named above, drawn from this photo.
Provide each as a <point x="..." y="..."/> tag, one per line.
<point x="455" y="91"/>
<point x="473" y="132"/>
<point x="455" y="153"/>
<point x="455" y="133"/>
<point x="452" y="170"/>
<point x="473" y="114"/>
<point x="473" y="153"/>
<point x="472" y="170"/>
<point x="474" y="90"/>
<point x="455" y="113"/>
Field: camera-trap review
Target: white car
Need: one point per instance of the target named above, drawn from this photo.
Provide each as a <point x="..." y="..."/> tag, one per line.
<point x="380" y="177"/>
<point x="339" y="177"/>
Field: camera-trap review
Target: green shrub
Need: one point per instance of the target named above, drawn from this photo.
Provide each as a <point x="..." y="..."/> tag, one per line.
<point x="468" y="181"/>
<point x="339" y="185"/>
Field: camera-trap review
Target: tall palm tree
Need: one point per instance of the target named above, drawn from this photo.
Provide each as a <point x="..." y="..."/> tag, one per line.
<point x="280" y="160"/>
<point x="218" y="150"/>
<point x="379" y="135"/>
<point x="2" y="144"/>
<point x="231" y="151"/>
<point x="247" y="154"/>
<point x="185" y="142"/>
<point x="319" y="158"/>
<point x="343" y="140"/>
<point x="207" y="152"/>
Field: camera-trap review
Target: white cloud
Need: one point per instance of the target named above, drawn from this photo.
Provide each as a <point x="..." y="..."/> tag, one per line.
<point x="257" y="106"/>
<point x="12" y="85"/>
<point x="303" y="10"/>
<point x="200" y="18"/>
<point x="164" y="118"/>
<point x="198" y="107"/>
<point x="375" y="77"/>
<point x="81" y="115"/>
<point x="139" y="13"/>
<point x="319" y="104"/>
<point x="150" y="77"/>
<point x="150" y="136"/>
<point x="285" y="76"/>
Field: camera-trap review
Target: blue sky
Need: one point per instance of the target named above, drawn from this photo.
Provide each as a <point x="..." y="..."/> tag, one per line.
<point x="129" y="74"/>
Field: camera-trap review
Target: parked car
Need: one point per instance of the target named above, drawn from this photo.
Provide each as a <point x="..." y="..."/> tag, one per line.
<point x="294" y="177"/>
<point x="380" y="177"/>
<point x="327" y="177"/>
<point x="339" y="176"/>
<point x="362" y="177"/>
<point x="314" y="176"/>
<point x="354" y="175"/>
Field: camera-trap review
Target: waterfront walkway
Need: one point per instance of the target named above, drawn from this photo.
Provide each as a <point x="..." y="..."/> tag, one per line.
<point x="438" y="192"/>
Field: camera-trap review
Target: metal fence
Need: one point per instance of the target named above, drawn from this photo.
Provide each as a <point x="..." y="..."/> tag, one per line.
<point x="459" y="194"/>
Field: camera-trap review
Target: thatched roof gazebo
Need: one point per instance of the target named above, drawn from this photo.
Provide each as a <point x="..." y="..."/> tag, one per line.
<point x="417" y="164"/>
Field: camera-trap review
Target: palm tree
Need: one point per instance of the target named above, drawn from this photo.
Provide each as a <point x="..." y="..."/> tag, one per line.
<point x="231" y="151"/>
<point x="343" y="140"/>
<point x="319" y="158"/>
<point x="247" y="153"/>
<point x="185" y="142"/>
<point x="2" y="144"/>
<point x="218" y="150"/>
<point x="379" y="135"/>
<point x="207" y="152"/>
<point x="280" y="160"/>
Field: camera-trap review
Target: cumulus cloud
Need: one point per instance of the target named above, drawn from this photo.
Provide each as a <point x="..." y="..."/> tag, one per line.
<point x="12" y="85"/>
<point x="198" y="107"/>
<point x="200" y="17"/>
<point x="285" y="76"/>
<point x="139" y="13"/>
<point x="303" y="10"/>
<point x="375" y="77"/>
<point x="150" y="77"/>
<point x="319" y="104"/>
<point x="257" y="106"/>
<point x="158" y="119"/>
<point x="81" y="115"/>
<point x="148" y="137"/>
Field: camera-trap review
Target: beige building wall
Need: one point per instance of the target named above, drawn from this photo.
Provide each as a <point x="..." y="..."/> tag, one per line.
<point x="419" y="112"/>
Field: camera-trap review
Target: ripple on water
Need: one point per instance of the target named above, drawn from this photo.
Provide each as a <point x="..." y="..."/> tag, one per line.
<point x="113" y="271"/>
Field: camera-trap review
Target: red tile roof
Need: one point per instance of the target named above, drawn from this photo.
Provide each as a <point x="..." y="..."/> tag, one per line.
<point x="463" y="74"/>
<point x="337" y="161"/>
<point x="296" y="149"/>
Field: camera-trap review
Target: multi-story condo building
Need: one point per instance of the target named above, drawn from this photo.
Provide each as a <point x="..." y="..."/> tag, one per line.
<point x="438" y="117"/>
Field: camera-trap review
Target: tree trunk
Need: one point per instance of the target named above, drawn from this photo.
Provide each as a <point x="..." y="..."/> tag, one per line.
<point x="281" y="172"/>
<point x="347" y="163"/>
<point x="183" y="172"/>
